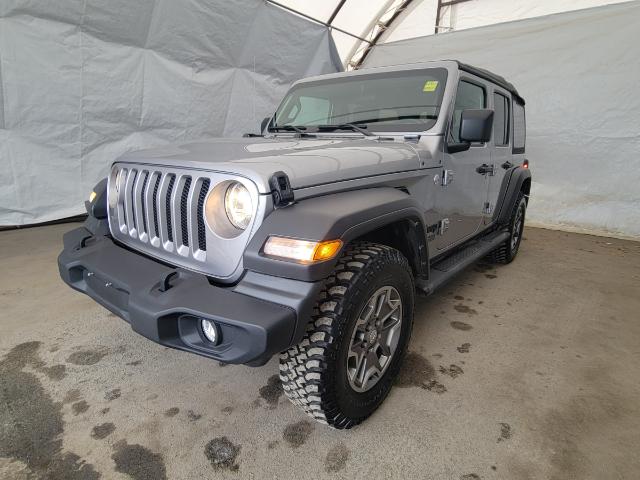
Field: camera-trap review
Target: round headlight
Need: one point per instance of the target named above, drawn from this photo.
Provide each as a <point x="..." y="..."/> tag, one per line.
<point x="237" y="204"/>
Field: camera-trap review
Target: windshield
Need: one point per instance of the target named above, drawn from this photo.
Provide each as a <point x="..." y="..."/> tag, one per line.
<point x="406" y="101"/>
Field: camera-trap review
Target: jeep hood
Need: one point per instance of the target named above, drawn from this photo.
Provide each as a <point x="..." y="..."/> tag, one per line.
<point x="307" y="161"/>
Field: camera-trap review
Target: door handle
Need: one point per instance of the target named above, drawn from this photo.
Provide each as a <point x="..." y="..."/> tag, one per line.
<point x="484" y="168"/>
<point x="507" y="165"/>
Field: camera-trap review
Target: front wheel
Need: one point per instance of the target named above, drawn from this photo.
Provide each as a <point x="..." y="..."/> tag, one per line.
<point x="345" y="365"/>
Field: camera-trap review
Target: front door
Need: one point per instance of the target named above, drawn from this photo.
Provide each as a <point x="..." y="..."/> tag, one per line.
<point x="463" y="191"/>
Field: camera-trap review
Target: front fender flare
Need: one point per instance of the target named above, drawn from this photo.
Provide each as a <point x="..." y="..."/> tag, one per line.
<point x="344" y="216"/>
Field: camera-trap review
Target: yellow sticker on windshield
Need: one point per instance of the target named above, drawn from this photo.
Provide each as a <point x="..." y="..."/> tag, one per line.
<point x="430" y="86"/>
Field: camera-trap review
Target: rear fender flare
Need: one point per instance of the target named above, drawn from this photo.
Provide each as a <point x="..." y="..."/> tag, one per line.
<point x="511" y="186"/>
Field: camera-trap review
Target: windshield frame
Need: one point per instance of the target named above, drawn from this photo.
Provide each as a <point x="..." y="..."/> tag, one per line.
<point x="371" y="126"/>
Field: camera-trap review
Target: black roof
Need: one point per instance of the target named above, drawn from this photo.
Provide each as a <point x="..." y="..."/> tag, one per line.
<point x="492" y="77"/>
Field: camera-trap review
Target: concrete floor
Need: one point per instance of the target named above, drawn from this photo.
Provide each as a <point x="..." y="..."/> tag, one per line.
<point x="526" y="371"/>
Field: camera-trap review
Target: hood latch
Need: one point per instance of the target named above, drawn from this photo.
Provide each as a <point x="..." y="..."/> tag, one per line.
<point x="281" y="190"/>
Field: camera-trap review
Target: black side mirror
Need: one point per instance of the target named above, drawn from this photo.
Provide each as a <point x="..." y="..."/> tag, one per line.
<point x="264" y="124"/>
<point x="476" y="125"/>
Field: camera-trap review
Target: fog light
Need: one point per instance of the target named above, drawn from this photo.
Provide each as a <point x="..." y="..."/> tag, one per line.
<point x="209" y="330"/>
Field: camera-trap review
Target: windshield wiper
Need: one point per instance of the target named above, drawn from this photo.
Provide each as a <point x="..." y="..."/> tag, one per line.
<point x="399" y="117"/>
<point x="287" y="128"/>
<point x="347" y="126"/>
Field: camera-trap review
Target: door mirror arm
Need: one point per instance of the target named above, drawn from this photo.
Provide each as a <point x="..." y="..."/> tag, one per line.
<point x="458" y="147"/>
<point x="264" y="123"/>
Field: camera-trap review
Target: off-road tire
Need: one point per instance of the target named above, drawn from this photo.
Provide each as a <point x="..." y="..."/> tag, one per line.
<point x="506" y="252"/>
<point x="313" y="373"/>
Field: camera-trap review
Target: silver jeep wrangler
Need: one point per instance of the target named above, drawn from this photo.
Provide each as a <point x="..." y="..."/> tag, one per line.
<point x="311" y="239"/>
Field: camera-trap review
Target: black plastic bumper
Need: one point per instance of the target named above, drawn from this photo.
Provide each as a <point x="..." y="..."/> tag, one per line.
<point x="256" y="318"/>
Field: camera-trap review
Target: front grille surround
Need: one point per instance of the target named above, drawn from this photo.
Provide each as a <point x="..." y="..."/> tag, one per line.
<point x="159" y="210"/>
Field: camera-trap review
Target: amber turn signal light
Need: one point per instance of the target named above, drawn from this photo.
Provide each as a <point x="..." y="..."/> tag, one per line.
<point x="326" y="250"/>
<point x="301" y="251"/>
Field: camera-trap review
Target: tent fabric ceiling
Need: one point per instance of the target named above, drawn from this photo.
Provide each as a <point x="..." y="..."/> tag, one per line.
<point x="359" y="17"/>
<point x="81" y="82"/>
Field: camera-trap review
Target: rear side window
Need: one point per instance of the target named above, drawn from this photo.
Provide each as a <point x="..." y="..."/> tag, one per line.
<point x="500" y="120"/>
<point x="469" y="96"/>
<point x="519" y="128"/>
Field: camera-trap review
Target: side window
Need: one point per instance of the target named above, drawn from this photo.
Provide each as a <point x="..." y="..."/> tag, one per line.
<point x="519" y="128"/>
<point x="469" y="96"/>
<point x="500" y="120"/>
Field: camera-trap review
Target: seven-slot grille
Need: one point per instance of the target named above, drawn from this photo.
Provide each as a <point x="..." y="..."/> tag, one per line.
<point x="161" y="209"/>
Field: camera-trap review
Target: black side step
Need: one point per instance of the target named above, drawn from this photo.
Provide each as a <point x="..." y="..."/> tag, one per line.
<point x="447" y="268"/>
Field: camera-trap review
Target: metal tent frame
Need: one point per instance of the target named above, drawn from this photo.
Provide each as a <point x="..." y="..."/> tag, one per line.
<point x="380" y="23"/>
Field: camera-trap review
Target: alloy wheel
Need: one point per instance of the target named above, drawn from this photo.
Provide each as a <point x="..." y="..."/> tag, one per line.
<point x="374" y="340"/>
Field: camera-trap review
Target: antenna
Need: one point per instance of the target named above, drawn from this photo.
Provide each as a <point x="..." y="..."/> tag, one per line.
<point x="253" y="97"/>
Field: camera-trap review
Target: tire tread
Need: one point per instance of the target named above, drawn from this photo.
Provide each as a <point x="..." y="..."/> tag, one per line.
<point x="307" y="369"/>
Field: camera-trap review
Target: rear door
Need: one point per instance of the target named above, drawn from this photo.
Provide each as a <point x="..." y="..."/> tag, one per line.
<point x="500" y="148"/>
<point x="463" y="191"/>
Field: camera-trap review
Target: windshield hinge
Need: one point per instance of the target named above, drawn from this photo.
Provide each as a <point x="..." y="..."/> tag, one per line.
<point x="281" y="190"/>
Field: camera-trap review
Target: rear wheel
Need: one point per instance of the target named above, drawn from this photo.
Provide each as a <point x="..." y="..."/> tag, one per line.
<point x="506" y="252"/>
<point x="344" y="366"/>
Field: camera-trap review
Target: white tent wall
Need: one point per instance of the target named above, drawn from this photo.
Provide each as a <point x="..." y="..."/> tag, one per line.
<point x="578" y="72"/>
<point x="420" y="18"/>
<point x="81" y="82"/>
<point x="365" y="18"/>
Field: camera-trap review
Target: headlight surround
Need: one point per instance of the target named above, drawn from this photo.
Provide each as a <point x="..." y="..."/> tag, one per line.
<point x="238" y="205"/>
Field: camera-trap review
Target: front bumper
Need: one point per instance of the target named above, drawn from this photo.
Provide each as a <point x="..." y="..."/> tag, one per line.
<point x="260" y="316"/>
